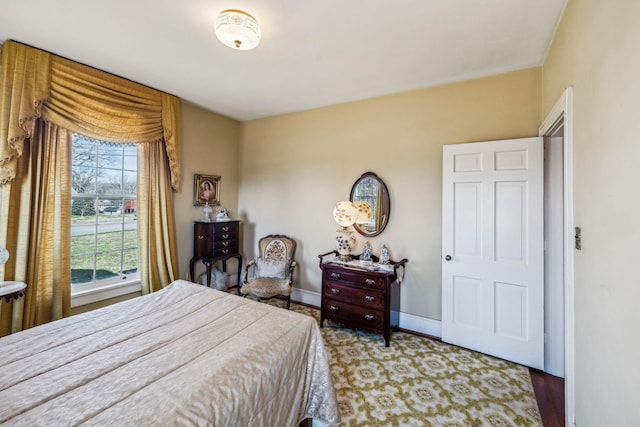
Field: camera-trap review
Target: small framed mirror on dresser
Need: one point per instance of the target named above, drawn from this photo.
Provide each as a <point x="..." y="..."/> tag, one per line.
<point x="371" y="189"/>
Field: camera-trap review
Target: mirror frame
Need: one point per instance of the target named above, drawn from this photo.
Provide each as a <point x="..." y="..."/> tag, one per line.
<point x="384" y="205"/>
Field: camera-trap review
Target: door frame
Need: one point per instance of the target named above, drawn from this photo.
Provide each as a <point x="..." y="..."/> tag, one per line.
<point x="563" y="111"/>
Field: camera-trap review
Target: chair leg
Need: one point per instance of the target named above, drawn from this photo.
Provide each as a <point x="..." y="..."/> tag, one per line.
<point x="288" y="302"/>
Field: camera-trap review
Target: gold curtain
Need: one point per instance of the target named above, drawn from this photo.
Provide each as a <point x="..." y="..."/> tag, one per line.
<point x="37" y="219"/>
<point x="37" y="86"/>
<point x="156" y="225"/>
<point x="83" y="100"/>
<point x="25" y="87"/>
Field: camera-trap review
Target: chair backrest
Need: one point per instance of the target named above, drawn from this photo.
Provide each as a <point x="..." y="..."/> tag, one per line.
<point x="277" y="247"/>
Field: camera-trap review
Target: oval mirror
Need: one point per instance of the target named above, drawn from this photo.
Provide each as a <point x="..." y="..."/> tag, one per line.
<point x="371" y="189"/>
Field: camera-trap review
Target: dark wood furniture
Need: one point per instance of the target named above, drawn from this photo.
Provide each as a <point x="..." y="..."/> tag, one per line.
<point x="216" y="241"/>
<point x="360" y="298"/>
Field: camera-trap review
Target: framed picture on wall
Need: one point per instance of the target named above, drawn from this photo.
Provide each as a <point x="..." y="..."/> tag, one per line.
<point x="206" y="189"/>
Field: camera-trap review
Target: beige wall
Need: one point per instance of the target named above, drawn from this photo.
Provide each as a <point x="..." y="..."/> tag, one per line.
<point x="596" y="50"/>
<point x="209" y="146"/>
<point x="295" y="167"/>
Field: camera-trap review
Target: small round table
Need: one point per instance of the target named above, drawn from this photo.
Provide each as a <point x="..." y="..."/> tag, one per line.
<point x="12" y="289"/>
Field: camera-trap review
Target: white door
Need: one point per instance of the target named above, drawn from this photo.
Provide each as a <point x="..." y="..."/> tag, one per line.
<point x="492" y="243"/>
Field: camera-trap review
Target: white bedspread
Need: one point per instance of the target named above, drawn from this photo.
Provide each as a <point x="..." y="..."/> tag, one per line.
<point x="186" y="355"/>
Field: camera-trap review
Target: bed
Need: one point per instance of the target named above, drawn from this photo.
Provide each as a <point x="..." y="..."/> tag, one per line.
<point x="185" y="355"/>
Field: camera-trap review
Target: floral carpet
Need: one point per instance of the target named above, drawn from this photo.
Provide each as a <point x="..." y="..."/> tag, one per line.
<point x="423" y="382"/>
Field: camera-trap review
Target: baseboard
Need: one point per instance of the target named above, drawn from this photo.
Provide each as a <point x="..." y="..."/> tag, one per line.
<point x="423" y="325"/>
<point x="306" y="297"/>
<point x="409" y="322"/>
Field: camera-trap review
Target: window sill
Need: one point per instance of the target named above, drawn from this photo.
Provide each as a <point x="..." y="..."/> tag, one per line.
<point x="79" y="298"/>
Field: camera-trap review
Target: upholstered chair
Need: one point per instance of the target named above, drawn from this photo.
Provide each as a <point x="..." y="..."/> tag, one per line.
<point x="270" y="275"/>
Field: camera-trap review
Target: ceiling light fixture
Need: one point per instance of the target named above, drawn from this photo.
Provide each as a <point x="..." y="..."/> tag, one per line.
<point x="237" y="29"/>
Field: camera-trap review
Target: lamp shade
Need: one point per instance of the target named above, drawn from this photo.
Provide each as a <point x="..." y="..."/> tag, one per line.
<point x="345" y="213"/>
<point x="237" y="29"/>
<point x="364" y="212"/>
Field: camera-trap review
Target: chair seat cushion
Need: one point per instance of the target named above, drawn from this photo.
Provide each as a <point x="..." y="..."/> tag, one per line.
<point x="266" y="287"/>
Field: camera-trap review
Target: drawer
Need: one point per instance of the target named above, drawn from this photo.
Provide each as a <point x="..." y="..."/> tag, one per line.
<point x="225" y="251"/>
<point x="359" y="296"/>
<point x="225" y="244"/>
<point x="220" y="228"/>
<point x="357" y="278"/>
<point x="226" y="236"/>
<point x="342" y="312"/>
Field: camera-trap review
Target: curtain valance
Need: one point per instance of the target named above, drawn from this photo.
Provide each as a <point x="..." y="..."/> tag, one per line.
<point x="37" y="84"/>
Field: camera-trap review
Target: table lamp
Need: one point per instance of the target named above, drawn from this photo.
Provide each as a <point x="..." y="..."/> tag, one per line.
<point x="347" y="213"/>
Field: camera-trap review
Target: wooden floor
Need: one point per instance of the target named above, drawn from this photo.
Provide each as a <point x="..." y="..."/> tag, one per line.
<point x="550" y="395"/>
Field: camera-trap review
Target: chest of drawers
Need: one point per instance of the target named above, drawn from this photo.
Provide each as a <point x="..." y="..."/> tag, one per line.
<point x="215" y="241"/>
<point x="361" y="299"/>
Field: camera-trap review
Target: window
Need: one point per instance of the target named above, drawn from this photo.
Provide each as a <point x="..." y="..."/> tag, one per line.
<point x="103" y="214"/>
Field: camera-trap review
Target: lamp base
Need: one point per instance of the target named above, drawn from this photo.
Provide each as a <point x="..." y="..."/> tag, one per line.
<point x="206" y="211"/>
<point x="344" y="243"/>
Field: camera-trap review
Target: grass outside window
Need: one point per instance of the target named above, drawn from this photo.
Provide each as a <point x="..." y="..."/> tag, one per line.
<point x="115" y="251"/>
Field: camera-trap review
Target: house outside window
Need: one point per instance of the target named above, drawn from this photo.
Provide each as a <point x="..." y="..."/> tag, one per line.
<point x="103" y="217"/>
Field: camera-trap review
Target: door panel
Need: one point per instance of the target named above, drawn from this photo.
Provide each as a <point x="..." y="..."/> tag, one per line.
<point x="511" y="310"/>
<point x="467" y="206"/>
<point x="493" y="284"/>
<point x="467" y="295"/>
<point x="510" y="222"/>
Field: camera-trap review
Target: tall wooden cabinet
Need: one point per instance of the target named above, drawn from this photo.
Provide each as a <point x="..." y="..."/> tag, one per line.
<point x="215" y="241"/>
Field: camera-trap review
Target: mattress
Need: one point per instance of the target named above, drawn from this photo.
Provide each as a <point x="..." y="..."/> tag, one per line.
<point x="185" y="355"/>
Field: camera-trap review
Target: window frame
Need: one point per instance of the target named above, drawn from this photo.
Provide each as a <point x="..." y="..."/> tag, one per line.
<point x="97" y="290"/>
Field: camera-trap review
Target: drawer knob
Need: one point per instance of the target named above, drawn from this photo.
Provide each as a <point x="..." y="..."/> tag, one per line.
<point x="370" y="282"/>
<point x="334" y="309"/>
<point x="225" y="251"/>
<point x="200" y="237"/>
<point x="335" y="291"/>
<point x="225" y="228"/>
<point x="225" y="236"/>
<point x="335" y="275"/>
<point x="370" y="298"/>
<point x="225" y="243"/>
<point x="368" y="317"/>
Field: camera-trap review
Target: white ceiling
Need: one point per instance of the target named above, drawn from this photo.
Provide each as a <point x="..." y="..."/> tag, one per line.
<point x="313" y="53"/>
